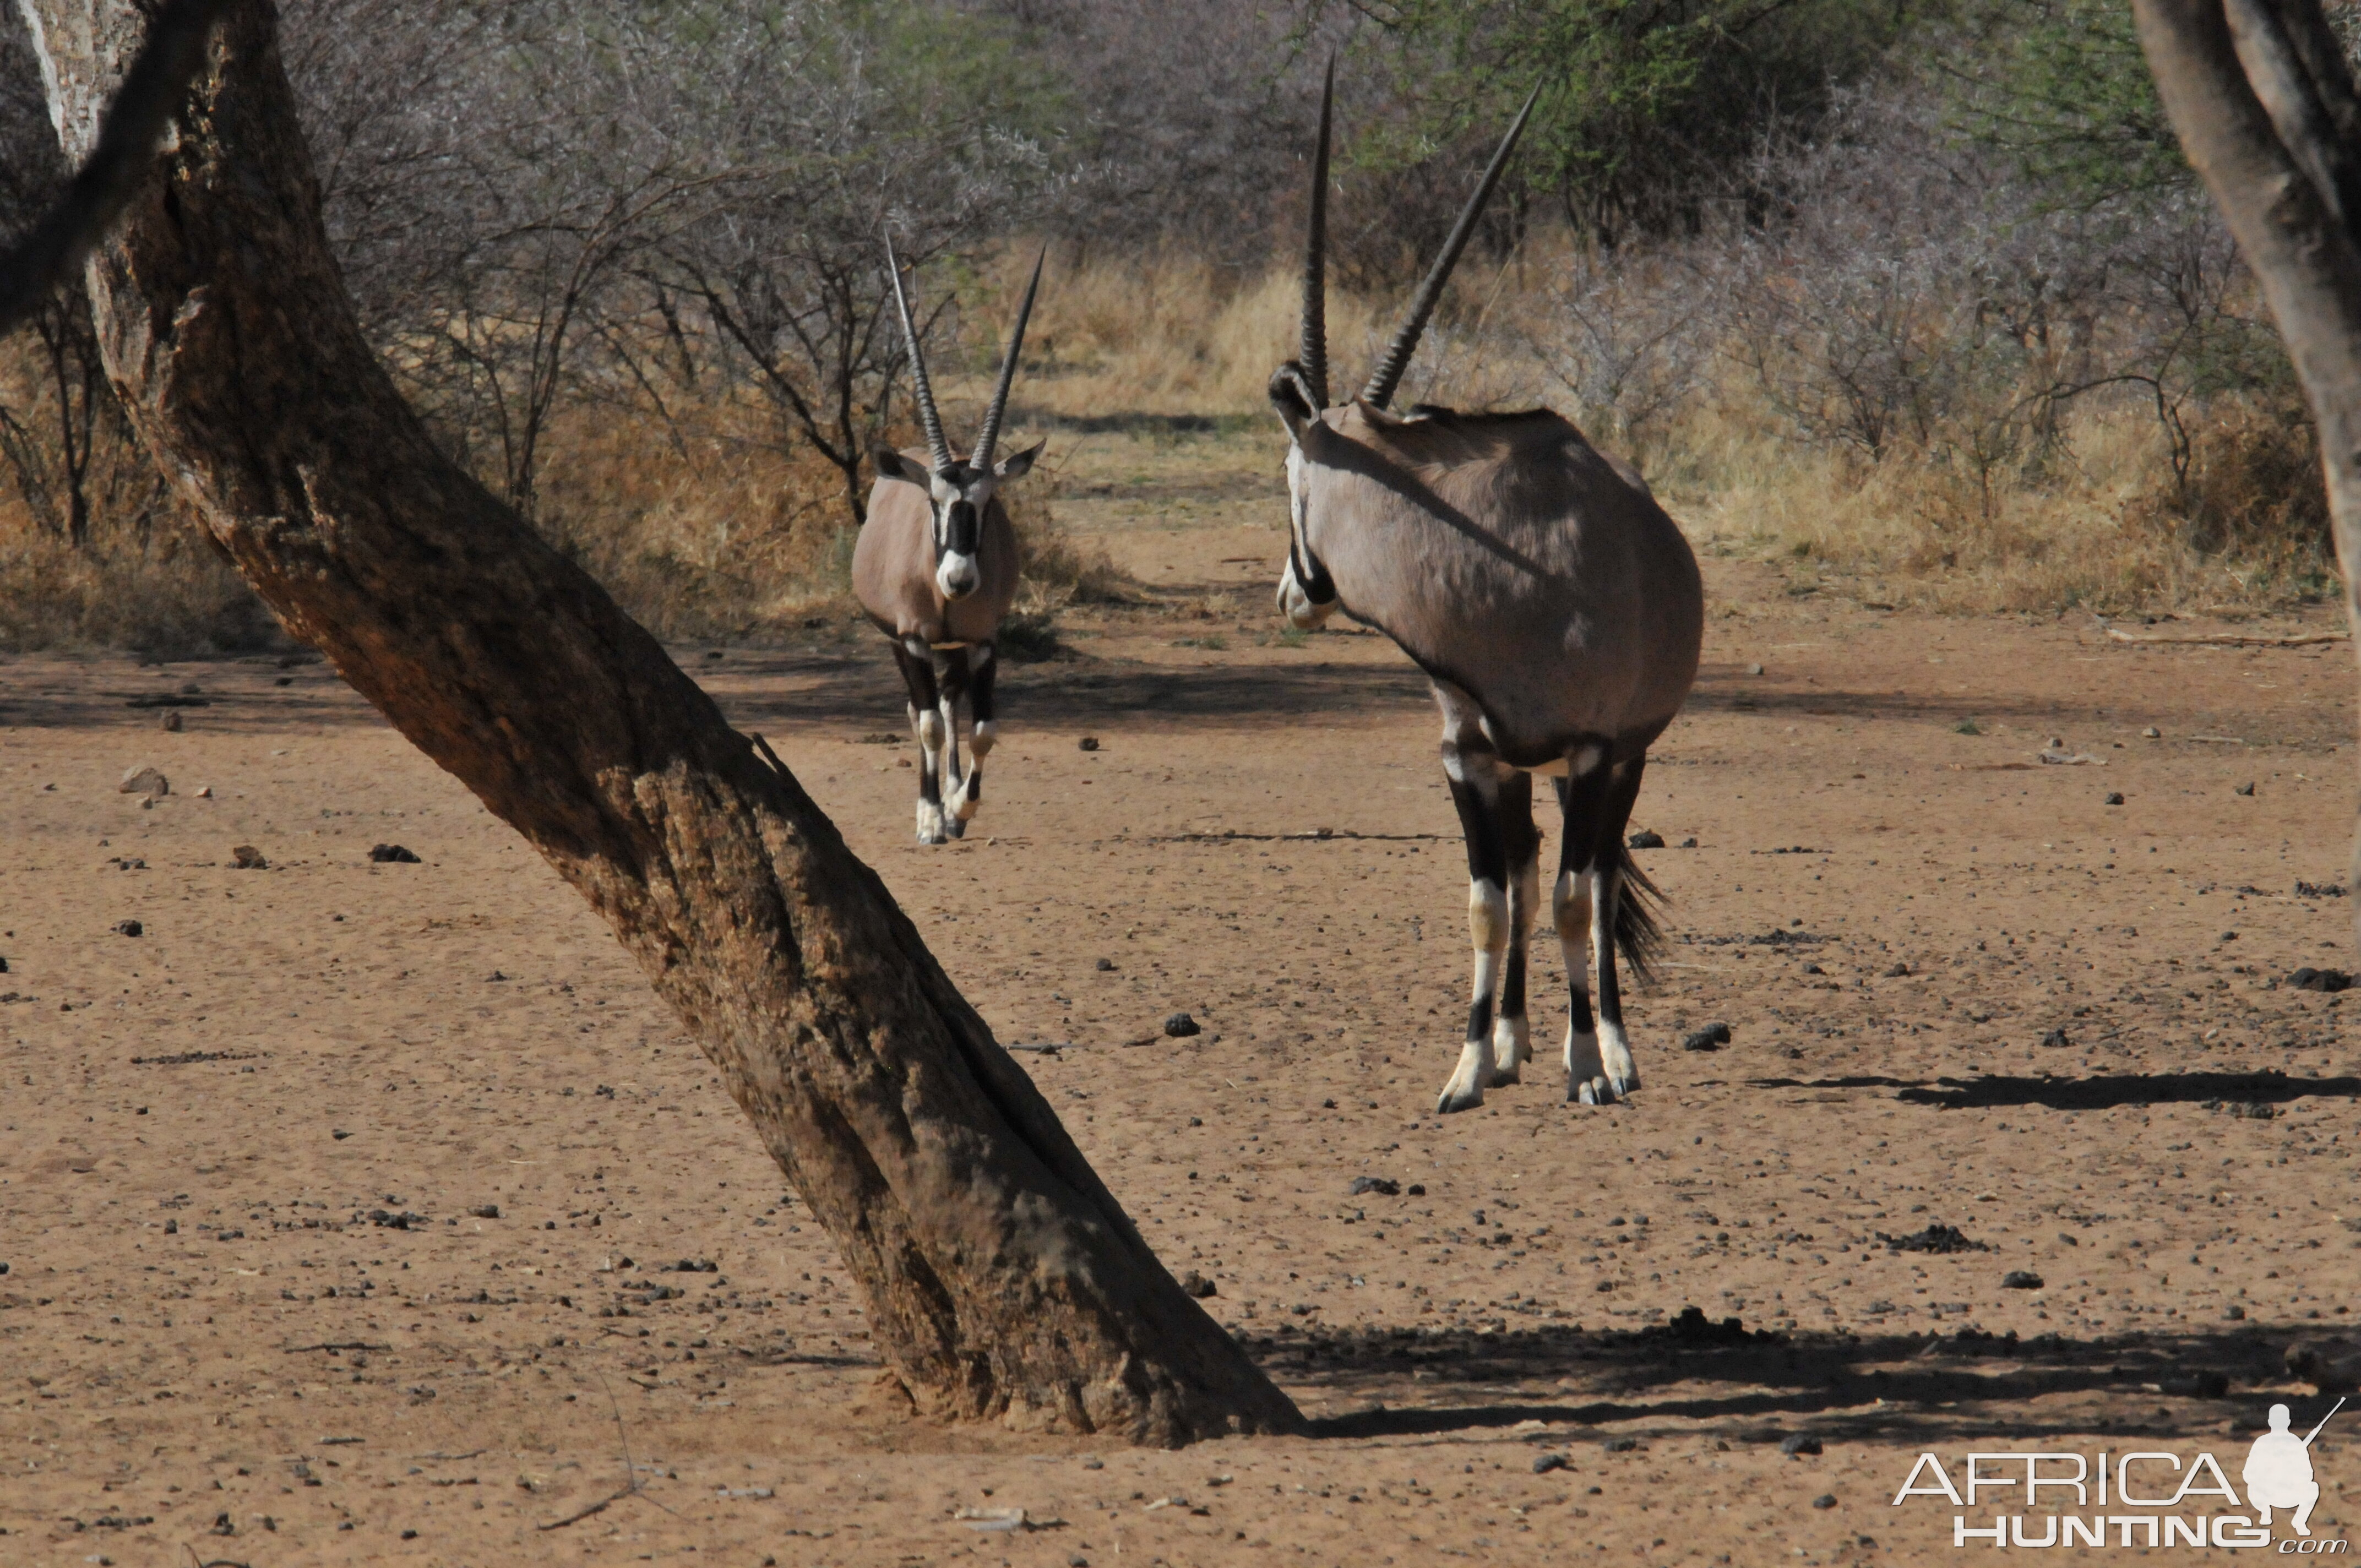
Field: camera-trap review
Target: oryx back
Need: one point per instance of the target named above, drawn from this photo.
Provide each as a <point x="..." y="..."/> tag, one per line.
<point x="1510" y="558"/>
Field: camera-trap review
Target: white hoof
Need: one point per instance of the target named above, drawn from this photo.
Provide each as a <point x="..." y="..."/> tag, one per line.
<point x="930" y="823"/>
<point x="1587" y="1078"/>
<point x="1512" y="1048"/>
<point x="1614" y="1056"/>
<point x="1465" y="1092"/>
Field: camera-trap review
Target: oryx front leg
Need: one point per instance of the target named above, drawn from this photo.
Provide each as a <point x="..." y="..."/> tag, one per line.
<point x="969" y="796"/>
<point x="1476" y="778"/>
<point x="927" y="725"/>
<point x="950" y="677"/>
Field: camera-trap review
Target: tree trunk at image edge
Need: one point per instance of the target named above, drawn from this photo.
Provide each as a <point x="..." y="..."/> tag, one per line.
<point x="2264" y="103"/>
<point x="1002" y="1279"/>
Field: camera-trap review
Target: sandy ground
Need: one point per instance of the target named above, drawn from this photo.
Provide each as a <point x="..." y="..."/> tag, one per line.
<point x="256" y="1310"/>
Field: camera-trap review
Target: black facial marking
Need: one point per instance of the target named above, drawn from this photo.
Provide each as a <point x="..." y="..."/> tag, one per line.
<point x="960" y="528"/>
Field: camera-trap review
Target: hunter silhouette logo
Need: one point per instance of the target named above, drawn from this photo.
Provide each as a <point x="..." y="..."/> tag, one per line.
<point x="2278" y="1471"/>
<point x="2152" y="1497"/>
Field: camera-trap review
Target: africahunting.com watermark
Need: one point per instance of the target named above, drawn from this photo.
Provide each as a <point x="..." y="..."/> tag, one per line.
<point x="2148" y="1497"/>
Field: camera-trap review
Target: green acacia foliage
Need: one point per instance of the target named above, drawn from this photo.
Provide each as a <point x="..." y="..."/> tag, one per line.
<point x="1652" y="102"/>
<point x="2061" y="86"/>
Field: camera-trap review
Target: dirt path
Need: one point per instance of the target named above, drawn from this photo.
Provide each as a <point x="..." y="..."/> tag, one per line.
<point x="241" y="1155"/>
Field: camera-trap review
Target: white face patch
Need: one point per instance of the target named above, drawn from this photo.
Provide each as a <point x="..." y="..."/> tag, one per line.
<point x="957" y="577"/>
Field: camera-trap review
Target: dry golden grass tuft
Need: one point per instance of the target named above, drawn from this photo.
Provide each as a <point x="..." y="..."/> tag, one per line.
<point x="711" y="524"/>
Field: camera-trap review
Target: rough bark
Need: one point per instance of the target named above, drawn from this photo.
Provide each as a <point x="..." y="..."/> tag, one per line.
<point x="1003" y="1279"/>
<point x="2262" y="111"/>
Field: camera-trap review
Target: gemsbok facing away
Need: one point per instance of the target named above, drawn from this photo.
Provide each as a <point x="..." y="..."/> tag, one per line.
<point x="1556" y="610"/>
<point x="935" y="569"/>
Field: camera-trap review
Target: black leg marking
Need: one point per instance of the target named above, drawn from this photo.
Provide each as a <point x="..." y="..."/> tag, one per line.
<point x="1520" y="847"/>
<point x="980" y="709"/>
<point x="1582" y="800"/>
<point x="1615" y="816"/>
<point x="1477" y="791"/>
<point x="918" y="675"/>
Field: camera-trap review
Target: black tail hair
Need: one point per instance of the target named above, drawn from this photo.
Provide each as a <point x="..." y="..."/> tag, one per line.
<point x="1638" y="937"/>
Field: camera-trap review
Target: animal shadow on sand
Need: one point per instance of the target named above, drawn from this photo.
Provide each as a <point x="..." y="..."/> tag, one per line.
<point x="1742" y="1383"/>
<point x="2102" y="1092"/>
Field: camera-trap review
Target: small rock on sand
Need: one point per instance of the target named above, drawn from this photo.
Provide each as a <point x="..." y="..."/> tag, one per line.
<point x="1800" y="1444"/>
<point x="2113" y="799"/>
<point x="1197" y="1285"/>
<point x="1180" y="1026"/>
<point x="131" y="928"/>
<point x="1644" y="840"/>
<point x="246" y="858"/>
<point x="2020" y="1279"/>
<point x="1712" y="1038"/>
<point x="204" y="792"/>
<point x="1545" y="1462"/>
<point x="172" y="720"/>
<point x="1087" y="744"/>
<point x="391" y="855"/>
<point x="149" y="782"/>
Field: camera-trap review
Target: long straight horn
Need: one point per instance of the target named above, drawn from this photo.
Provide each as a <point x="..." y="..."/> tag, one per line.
<point x="1312" y="353"/>
<point x="990" y="438"/>
<point x="939" y="451"/>
<point x="1389" y="373"/>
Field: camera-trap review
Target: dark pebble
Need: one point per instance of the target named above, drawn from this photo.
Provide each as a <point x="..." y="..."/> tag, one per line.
<point x="2325" y="980"/>
<point x="1620" y="1444"/>
<point x="1825" y="1501"/>
<point x="1180" y="1026"/>
<point x="1383" y="1185"/>
<point x="1898" y="971"/>
<point x="1104" y="965"/>
<point x="483" y="1211"/>
<point x="1195" y="1284"/>
<point x="391" y="855"/>
<point x="1801" y="1444"/>
<point x="1712" y="1038"/>
<point x="1088" y="743"/>
<point x="1415" y="1190"/>
<point x="2113" y="799"/>
<point x="2055" y="1037"/>
<point x="2244" y="789"/>
<point x="246" y="858"/>
<point x="2020" y="1279"/>
<point x="1644" y="840"/>
<point x="131" y="928"/>
<point x="1545" y="1462"/>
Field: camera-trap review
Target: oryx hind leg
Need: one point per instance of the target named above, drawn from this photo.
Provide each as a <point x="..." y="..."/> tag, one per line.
<point x="1582" y="799"/>
<point x="1623" y="1073"/>
<point x="1477" y="777"/>
<point x="918" y="665"/>
<point x="1511" y="1035"/>
<point x="983" y="732"/>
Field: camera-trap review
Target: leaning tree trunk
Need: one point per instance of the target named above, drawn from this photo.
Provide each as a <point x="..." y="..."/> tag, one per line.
<point x="1003" y="1279"/>
<point x="2265" y="109"/>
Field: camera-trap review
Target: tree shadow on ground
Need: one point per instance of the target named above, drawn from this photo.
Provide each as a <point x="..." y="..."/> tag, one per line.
<point x="2102" y="1092"/>
<point x="1692" y="1369"/>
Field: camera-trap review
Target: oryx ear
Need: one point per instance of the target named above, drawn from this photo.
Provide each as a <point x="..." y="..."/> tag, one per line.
<point x="1017" y="465"/>
<point x="893" y="465"/>
<point x="1292" y="399"/>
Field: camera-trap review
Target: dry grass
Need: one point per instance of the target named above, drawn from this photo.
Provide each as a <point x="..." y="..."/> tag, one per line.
<point x="2099" y="522"/>
<point x="711" y="529"/>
